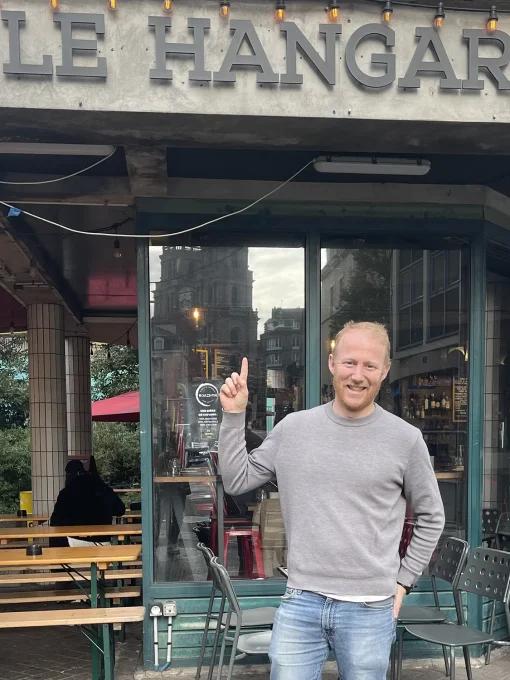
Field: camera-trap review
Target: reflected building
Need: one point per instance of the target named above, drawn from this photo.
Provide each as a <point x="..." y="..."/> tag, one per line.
<point x="203" y="322"/>
<point x="282" y="349"/>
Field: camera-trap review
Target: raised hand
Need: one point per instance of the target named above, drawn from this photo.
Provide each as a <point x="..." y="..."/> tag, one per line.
<point x="234" y="391"/>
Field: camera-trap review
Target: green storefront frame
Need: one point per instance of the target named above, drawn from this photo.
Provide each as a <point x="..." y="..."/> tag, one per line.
<point x="472" y="230"/>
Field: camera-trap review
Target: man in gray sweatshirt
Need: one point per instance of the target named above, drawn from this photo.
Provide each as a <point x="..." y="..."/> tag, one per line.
<point x="345" y="472"/>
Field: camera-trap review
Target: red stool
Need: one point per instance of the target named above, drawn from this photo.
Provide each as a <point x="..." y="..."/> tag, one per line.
<point x="245" y="535"/>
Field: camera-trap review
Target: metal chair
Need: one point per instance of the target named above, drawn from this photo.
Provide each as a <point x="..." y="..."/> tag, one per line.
<point x="448" y="566"/>
<point x="255" y="617"/>
<point x="249" y="643"/>
<point x="502" y="532"/>
<point x="486" y="574"/>
<point x="490" y="518"/>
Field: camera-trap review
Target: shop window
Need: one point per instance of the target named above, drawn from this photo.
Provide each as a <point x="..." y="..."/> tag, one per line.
<point x="187" y="373"/>
<point x="444" y="302"/>
<point x="428" y="382"/>
<point x="410" y="298"/>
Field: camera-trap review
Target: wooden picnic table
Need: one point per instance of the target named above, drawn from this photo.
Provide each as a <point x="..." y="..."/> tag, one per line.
<point x="128" y="516"/>
<point x="97" y="557"/>
<point x="117" y="531"/>
<point x="13" y="518"/>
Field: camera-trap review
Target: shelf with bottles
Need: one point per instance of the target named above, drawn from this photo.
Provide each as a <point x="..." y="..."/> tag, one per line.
<point x="429" y="380"/>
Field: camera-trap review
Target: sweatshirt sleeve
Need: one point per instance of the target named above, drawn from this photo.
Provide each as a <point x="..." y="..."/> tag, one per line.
<point x="242" y="471"/>
<point x="422" y="494"/>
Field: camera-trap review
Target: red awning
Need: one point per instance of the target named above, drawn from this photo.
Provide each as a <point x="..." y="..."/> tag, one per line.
<point x="124" y="408"/>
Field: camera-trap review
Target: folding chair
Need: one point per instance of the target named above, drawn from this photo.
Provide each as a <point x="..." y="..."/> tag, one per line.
<point x="490" y="518"/>
<point x="249" y="643"/>
<point x="448" y="566"/>
<point x="486" y="574"/>
<point x="255" y="617"/>
<point x="502" y="532"/>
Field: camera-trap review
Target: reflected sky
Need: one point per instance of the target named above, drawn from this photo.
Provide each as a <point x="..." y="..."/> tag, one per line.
<point x="278" y="273"/>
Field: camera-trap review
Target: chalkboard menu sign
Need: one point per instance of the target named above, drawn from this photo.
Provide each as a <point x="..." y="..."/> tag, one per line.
<point x="460" y="400"/>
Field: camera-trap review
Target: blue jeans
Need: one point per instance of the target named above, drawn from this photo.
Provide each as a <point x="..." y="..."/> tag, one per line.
<point x="307" y="626"/>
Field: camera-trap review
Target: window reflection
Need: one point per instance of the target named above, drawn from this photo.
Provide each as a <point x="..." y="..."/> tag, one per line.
<point x="416" y="294"/>
<point x="210" y="306"/>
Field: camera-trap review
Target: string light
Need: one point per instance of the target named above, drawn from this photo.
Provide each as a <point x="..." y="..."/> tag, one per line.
<point x="439" y="17"/>
<point x="279" y="12"/>
<point x="167" y="5"/>
<point x="333" y="12"/>
<point x="492" y="21"/>
<point x="225" y="9"/>
<point x="112" y="4"/>
<point x="387" y="12"/>
<point x="54" y="4"/>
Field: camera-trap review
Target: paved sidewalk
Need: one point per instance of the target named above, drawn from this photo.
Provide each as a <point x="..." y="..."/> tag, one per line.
<point x="64" y="654"/>
<point x="428" y="669"/>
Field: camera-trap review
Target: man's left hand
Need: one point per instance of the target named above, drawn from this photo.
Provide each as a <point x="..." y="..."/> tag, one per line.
<point x="399" y="596"/>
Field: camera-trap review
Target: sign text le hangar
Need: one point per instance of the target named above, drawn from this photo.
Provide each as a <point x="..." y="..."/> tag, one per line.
<point x="246" y="52"/>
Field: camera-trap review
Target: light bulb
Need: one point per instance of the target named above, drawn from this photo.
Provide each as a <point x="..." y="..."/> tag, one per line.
<point x="112" y="4"/>
<point x="492" y="21"/>
<point x="387" y="12"/>
<point x="333" y="12"/>
<point x="225" y="9"/>
<point x="279" y="12"/>
<point x="54" y="4"/>
<point x="117" y="252"/>
<point x="167" y="5"/>
<point x="439" y="17"/>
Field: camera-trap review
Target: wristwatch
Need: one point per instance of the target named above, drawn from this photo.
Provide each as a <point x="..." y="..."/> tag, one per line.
<point x="406" y="588"/>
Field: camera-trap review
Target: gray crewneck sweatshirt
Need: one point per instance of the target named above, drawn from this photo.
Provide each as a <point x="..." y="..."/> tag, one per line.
<point x="343" y="485"/>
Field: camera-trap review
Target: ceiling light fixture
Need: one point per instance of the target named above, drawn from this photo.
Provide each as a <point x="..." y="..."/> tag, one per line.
<point x="356" y="165"/>
<point x="36" y="149"/>
<point x="167" y="5"/>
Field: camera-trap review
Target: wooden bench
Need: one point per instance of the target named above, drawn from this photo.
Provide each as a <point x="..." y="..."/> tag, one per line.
<point x="57" y="577"/>
<point x="37" y="567"/>
<point x="71" y="617"/>
<point x="33" y="596"/>
<point x="103" y="618"/>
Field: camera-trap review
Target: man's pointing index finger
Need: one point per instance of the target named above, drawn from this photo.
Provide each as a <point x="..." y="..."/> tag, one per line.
<point x="244" y="369"/>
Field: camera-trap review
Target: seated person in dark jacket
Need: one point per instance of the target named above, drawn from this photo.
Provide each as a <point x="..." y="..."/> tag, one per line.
<point x="85" y="499"/>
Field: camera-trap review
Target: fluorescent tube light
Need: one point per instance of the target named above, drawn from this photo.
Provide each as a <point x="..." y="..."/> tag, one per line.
<point x="56" y="149"/>
<point x="357" y="165"/>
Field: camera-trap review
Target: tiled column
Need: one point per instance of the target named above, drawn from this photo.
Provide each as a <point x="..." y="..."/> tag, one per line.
<point x="47" y="381"/>
<point x="79" y="423"/>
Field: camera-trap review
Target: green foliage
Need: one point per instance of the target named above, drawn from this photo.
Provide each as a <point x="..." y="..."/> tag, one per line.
<point x="13" y="382"/>
<point x="116" y="449"/>
<point x="368" y="294"/>
<point x="113" y="370"/>
<point x="14" y="466"/>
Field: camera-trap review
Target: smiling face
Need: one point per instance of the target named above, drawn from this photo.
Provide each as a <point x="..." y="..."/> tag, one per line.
<point x="359" y="365"/>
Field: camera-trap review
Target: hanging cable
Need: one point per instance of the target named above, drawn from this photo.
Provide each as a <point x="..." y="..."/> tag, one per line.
<point x="61" y="179"/>
<point x="81" y="232"/>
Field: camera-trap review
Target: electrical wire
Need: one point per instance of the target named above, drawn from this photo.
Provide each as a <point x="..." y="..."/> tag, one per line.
<point x="169" y="235"/>
<point x="433" y="7"/>
<point x="61" y="179"/>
